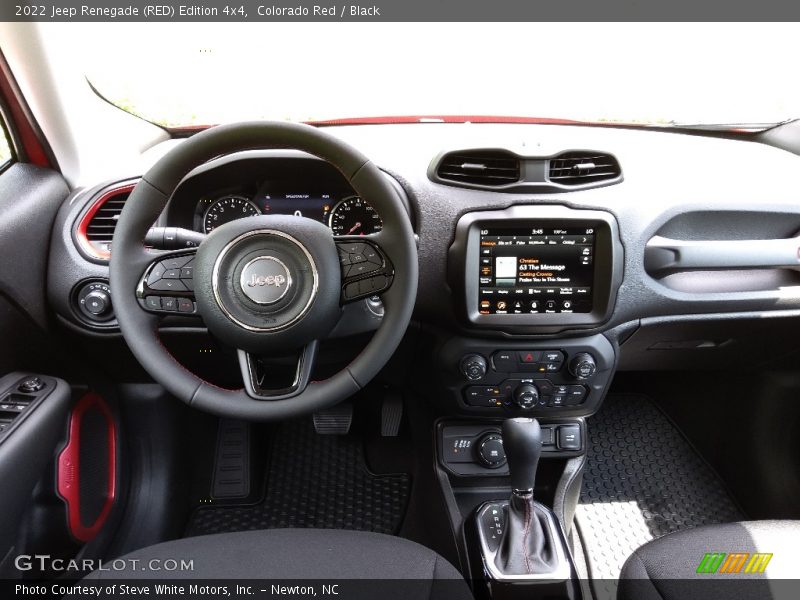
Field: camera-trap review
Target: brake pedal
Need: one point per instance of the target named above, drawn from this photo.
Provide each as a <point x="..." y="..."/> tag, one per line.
<point x="335" y="420"/>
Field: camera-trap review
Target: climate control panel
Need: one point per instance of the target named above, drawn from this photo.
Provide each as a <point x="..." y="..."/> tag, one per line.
<point x="566" y="377"/>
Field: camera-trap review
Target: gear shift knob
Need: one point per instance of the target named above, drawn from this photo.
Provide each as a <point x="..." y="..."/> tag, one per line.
<point x="522" y="442"/>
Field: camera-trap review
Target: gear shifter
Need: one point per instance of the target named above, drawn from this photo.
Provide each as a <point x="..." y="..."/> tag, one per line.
<point x="522" y="443"/>
<point x="527" y="545"/>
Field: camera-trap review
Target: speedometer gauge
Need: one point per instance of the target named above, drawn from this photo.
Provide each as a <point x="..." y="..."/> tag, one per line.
<point x="227" y="209"/>
<point x="354" y="216"/>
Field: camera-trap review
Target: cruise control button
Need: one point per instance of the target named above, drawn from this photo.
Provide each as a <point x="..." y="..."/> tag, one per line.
<point x="168" y="285"/>
<point x="153" y="302"/>
<point x="362" y="268"/>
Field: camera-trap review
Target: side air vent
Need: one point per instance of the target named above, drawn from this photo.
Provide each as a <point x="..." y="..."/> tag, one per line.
<point x="492" y="168"/>
<point x="96" y="227"/>
<point x="583" y="168"/>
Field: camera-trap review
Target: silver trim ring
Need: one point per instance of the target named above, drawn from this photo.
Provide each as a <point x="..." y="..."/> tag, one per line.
<point x="286" y="288"/>
<point x="244" y="236"/>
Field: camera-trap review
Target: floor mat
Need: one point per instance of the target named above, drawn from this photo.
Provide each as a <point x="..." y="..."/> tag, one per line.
<point x="314" y="481"/>
<point x="642" y="480"/>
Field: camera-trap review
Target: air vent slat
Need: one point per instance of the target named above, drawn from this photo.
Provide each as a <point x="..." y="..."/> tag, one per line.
<point x="100" y="228"/>
<point x="577" y="168"/>
<point x="491" y="168"/>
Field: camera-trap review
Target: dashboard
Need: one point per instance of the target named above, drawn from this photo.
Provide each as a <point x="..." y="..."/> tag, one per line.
<point x="531" y="275"/>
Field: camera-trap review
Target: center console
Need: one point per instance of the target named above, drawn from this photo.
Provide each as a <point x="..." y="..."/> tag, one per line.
<point x="533" y="287"/>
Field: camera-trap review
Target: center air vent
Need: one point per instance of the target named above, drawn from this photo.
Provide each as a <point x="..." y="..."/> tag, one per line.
<point x="96" y="227"/>
<point x="491" y="168"/>
<point x="582" y="168"/>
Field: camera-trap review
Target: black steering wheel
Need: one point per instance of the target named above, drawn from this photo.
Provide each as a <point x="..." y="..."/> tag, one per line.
<point x="266" y="284"/>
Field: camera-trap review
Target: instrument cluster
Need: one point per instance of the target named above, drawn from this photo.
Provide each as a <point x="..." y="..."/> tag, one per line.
<point x="345" y="214"/>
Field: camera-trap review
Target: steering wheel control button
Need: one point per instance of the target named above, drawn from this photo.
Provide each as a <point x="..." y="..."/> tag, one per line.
<point x="490" y="451"/>
<point x="169" y="304"/>
<point x="185" y="305"/>
<point x="153" y="302"/>
<point x="364" y="263"/>
<point x="265" y="280"/>
<point x="155" y="273"/>
<point x="168" y="285"/>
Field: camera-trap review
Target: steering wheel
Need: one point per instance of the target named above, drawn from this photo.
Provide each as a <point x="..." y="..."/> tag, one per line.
<point x="266" y="284"/>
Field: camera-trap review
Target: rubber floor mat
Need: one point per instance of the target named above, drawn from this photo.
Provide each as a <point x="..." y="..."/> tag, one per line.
<point x="642" y="480"/>
<point x="317" y="481"/>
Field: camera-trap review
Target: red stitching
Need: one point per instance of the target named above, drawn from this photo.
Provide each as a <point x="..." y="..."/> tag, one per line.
<point x="525" y="536"/>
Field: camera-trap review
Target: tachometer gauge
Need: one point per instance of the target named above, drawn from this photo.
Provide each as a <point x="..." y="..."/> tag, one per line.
<point x="354" y="216"/>
<point x="227" y="209"/>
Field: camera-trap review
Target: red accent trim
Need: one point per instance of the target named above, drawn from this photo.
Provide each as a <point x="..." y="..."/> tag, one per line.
<point x="22" y="120"/>
<point x="83" y="224"/>
<point x="69" y="469"/>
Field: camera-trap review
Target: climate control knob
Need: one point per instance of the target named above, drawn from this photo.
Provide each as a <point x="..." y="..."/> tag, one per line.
<point x="473" y="367"/>
<point x="582" y="366"/>
<point x="526" y="395"/>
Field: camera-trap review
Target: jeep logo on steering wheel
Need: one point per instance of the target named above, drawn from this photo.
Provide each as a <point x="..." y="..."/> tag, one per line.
<point x="265" y="280"/>
<point x="277" y="280"/>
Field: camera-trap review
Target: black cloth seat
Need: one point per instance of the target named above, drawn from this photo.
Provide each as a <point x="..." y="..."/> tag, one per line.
<point x="667" y="568"/>
<point x="368" y="565"/>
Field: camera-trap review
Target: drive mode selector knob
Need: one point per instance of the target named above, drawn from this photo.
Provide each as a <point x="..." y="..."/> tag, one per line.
<point x="490" y="451"/>
<point x="473" y="367"/>
<point x="582" y="366"/>
<point x="526" y="395"/>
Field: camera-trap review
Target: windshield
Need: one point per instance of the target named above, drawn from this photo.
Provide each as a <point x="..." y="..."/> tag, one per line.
<point x="199" y="74"/>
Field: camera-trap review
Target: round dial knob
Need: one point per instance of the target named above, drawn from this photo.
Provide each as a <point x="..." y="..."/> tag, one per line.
<point x="582" y="366"/>
<point x="526" y="395"/>
<point x="97" y="303"/>
<point x="490" y="451"/>
<point x="473" y="366"/>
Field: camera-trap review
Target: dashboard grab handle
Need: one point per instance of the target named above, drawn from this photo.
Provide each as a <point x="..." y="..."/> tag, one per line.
<point x="664" y="255"/>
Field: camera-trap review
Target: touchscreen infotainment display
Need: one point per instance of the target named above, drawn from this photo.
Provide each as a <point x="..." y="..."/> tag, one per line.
<point x="531" y="270"/>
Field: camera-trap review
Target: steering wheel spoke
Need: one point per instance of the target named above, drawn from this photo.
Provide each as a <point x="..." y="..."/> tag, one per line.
<point x="257" y="379"/>
<point x="366" y="269"/>
<point x="167" y="286"/>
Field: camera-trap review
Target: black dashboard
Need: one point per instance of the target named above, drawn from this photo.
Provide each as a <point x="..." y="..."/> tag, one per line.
<point x="526" y="266"/>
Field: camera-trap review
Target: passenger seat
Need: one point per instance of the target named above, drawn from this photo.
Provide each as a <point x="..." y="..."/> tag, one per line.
<point x="747" y="560"/>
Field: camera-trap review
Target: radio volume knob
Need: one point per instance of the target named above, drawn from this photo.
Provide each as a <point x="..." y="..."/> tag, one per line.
<point x="582" y="366"/>
<point x="473" y="367"/>
<point x="526" y="395"/>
